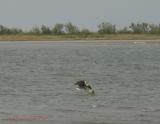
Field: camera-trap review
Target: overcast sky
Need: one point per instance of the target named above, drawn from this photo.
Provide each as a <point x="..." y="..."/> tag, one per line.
<point x="83" y="13"/>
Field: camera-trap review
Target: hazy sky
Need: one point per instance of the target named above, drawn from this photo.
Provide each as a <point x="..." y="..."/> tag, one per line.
<point x="83" y="13"/>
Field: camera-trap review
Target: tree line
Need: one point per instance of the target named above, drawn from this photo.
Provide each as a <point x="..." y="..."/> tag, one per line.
<point x="69" y="28"/>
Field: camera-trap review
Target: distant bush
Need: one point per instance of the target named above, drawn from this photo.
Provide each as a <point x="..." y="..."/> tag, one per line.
<point x="106" y="28"/>
<point x="124" y="30"/>
<point x="154" y="29"/>
<point x="6" y="30"/>
<point x="139" y="28"/>
<point x="35" y="30"/>
<point x="71" y="29"/>
<point x="85" y="31"/>
<point x="45" y="30"/>
<point x="58" y="29"/>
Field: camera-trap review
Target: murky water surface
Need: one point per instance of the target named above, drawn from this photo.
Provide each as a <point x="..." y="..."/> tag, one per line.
<point x="37" y="79"/>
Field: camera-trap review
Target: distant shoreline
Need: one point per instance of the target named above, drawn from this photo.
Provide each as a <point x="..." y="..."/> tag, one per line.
<point x="109" y="38"/>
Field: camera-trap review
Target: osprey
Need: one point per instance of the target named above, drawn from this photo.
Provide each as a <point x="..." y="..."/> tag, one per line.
<point x="82" y="84"/>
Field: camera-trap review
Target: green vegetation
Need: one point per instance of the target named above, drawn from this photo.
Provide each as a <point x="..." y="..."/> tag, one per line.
<point x="106" y="28"/>
<point x="69" y="31"/>
<point x="6" y="30"/>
